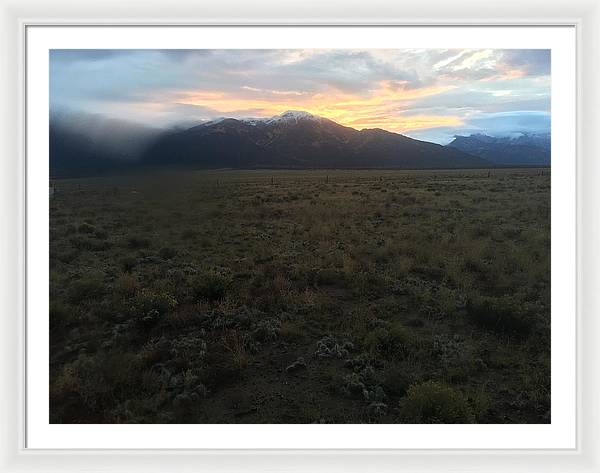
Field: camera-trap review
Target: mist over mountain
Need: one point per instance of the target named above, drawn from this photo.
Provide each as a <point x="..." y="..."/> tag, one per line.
<point x="521" y="149"/>
<point x="90" y="144"/>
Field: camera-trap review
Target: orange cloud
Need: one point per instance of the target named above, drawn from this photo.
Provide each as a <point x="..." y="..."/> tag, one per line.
<point x="408" y="123"/>
<point x="506" y="74"/>
<point x="378" y="108"/>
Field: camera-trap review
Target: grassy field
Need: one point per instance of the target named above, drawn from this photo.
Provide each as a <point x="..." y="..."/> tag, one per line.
<point x="301" y="297"/>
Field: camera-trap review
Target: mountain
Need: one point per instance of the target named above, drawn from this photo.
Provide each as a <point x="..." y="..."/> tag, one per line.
<point x="299" y="140"/>
<point x="524" y="149"/>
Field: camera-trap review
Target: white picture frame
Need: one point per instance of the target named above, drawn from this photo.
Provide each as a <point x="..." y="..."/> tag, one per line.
<point x="16" y="16"/>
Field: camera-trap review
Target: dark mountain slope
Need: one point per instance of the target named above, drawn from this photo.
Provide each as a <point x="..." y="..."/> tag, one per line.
<point x="526" y="149"/>
<point x="299" y="140"/>
<point x="386" y="149"/>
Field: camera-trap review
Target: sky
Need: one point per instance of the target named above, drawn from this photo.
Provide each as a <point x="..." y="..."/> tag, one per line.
<point x="428" y="94"/>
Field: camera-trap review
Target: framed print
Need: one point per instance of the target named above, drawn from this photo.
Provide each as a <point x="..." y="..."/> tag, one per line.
<point x="300" y="242"/>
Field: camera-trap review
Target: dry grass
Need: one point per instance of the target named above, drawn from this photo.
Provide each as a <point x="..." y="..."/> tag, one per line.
<point x="235" y="282"/>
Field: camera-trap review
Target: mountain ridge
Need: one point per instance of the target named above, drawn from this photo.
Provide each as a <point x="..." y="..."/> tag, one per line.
<point x="90" y="145"/>
<point x="297" y="139"/>
<point x="522" y="149"/>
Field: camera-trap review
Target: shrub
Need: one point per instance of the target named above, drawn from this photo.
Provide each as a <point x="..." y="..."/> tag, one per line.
<point x="188" y="234"/>
<point x="211" y="285"/>
<point x="435" y="403"/>
<point x="147" y="300"/>
<point x="366" y="283"/>
<point x="189" y="348"/>
<point x="65" y="256"/>
<point x="89" y="243"/>
<point x="361" y="383"/>
<point x="70" y="229"/>
<point x="185" y="317"/>
<point x="330" y="347"/>
<point x="267" y="330"/>
<point x="101" y="234"/>
<point x="377" y="409"/>
<point x="395" y="380"/>
<point x="135" y="242"/>
<point x="126" y="285"/>
<point x="107" y="310"/>
<point x="60" y="314"/>
<point x="86" y="288"/>
<point x="389" y="342"/>
<point x="291" y="331"/>
<point x="97" y="381"/>
<point x="148" y="307"/>
<point x="167" y="253"/>
<point x="500" y="314"/>
<point x="414" y="322"/>
<point x="448" y="349"/>
<point x="86" y="228"/>
<point x="330" y="277"/>
<point x="127" y="263"/>
<point x="236" y="344"/>
<point x="352" y="386"/>
<point x="84" y="379"/>
<point x="155" y="351"/>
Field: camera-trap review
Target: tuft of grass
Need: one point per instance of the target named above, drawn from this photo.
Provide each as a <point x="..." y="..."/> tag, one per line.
<point x="236" y="344"/>
<point x="432" y="402"/>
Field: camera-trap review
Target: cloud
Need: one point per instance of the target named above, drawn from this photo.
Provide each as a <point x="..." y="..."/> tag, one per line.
<point x="349" y="71"/>
<point x="532" y="61"/>
<point x="406" y="90"/>
<point x="85" y="55"/>
<point x="495" y="124"/>
<point x="513" y="122"/>
<point x="107" y="136"/>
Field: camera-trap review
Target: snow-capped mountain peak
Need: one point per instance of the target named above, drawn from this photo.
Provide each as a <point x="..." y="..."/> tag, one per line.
<point x="214" y="121"/>
<point x="288" y="117"/>
<point x="292" y="116"/>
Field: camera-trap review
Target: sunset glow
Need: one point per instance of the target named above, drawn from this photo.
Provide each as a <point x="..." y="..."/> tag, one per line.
<point x="427" y="94"/>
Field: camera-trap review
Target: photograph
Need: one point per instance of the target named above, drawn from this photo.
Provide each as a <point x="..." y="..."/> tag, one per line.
<point x="299" y="236"/>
